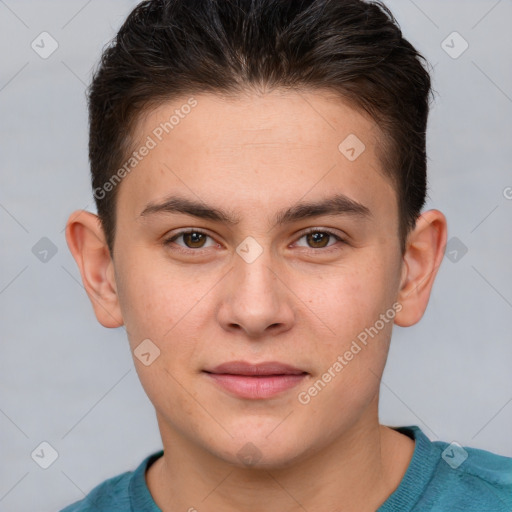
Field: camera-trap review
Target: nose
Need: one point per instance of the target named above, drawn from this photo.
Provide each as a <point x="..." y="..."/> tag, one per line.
<point x="256" y="299"/>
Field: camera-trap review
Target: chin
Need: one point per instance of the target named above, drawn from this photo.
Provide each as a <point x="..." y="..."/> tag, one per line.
<point x="254" y="448"/>
<point x="256" y="457"/>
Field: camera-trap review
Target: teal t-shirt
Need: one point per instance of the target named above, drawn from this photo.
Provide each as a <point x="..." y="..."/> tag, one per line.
<point x="441" y="477"/>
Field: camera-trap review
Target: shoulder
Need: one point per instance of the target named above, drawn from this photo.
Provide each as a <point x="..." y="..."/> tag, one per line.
<point x="445" y="477"/>
<point x="126" y="491"/>
<point x="482" y="477"/>
<point x="469" y="479"/>
<point x="111" y="495"/>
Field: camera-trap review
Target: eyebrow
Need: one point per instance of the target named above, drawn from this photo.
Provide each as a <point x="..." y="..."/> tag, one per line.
<point x="338" y="204"/>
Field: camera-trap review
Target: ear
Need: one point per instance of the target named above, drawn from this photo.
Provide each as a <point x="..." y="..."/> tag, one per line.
<point x="424" y="253"/>
<point x="87" y="243"/>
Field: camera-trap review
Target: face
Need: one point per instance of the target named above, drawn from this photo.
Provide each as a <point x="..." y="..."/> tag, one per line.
<point x="248" y="234"/>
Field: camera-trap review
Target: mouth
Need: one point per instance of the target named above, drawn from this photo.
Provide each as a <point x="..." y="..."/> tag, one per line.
<point x="255" y="381"/>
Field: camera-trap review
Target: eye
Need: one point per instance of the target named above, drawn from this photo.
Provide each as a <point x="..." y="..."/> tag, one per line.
<point x="320" y="238"/>
<point x="193" y="239"/>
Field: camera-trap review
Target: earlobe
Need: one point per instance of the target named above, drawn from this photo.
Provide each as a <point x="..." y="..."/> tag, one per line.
<point x="87" y="243"/>
<point x="423" y="256"/>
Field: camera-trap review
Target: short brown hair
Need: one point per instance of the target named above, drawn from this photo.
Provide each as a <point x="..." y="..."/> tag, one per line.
<point x="170" y="48"/>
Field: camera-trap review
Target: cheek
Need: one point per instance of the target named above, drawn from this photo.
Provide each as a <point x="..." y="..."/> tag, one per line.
<point x="353" y="353"/>
<point x="167" y="309"/>
<point x="348" y="298"/>
<point x="153" y="300"/>
<point x="169" y="392"/>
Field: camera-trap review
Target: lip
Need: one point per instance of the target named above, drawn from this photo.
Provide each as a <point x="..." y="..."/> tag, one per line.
<point x="252" y="369"/>
<point x="256" y="381"/>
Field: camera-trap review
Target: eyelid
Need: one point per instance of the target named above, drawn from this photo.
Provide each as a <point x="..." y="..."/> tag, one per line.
<point x="320" y="229"/>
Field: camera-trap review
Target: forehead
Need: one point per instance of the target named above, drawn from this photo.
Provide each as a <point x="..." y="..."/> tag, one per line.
<point x="256" y="149"/>
<point x="313" y="120"/>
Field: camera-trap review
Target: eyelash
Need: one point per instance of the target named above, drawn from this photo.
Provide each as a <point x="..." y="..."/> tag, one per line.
<point x="169" y="241"/>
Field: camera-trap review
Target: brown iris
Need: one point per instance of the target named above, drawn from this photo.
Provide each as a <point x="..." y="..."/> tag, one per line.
<point x="318" y="238"/>
<point x="194" y="239"/>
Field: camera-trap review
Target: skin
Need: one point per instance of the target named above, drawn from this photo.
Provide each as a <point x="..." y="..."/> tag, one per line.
<point x="301" y="302"/>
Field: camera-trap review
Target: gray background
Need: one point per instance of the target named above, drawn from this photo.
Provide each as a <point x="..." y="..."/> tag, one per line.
<point x="70" y="382"/>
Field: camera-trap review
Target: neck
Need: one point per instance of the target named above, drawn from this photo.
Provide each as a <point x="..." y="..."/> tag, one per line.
<point x="360" y="470"/>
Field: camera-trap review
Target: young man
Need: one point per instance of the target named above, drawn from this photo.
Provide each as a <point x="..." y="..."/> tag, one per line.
<point x="259" y="169"/>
